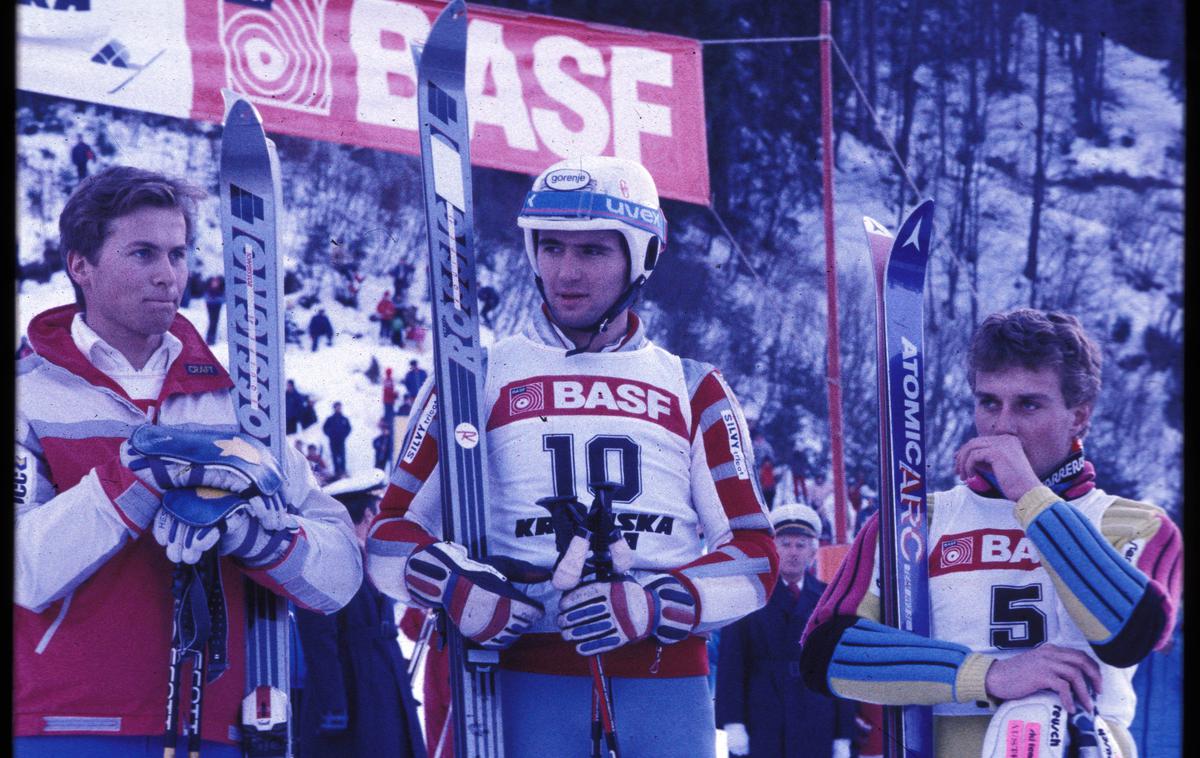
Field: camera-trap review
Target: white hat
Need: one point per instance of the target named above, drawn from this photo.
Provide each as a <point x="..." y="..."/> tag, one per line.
<point x="796" y="517"/>
<point x="373" y="481"/>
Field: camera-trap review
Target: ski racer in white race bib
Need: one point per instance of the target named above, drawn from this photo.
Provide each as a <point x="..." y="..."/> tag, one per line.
<point x="583" y="397"/>
<point x="1045" y="591"/>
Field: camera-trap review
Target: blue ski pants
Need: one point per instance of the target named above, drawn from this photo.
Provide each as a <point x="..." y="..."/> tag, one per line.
<point x="548" y="715"/>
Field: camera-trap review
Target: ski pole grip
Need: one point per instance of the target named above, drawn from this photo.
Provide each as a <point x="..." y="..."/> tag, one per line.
<point x="570" y="568"/>
<point x="601" y="521"/>
<point x="622" y="554"/>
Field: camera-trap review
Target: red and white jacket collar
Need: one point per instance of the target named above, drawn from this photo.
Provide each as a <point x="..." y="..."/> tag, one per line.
<point x="195" y="369"/>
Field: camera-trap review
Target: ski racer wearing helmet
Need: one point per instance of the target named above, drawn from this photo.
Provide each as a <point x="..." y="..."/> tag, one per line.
<point x="581" y="397"/>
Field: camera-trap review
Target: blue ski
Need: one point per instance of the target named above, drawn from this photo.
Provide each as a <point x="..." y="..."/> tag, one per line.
<point x="250" y="207"/>
<point x="899" y="263"/>
<point x="458" y="356"/>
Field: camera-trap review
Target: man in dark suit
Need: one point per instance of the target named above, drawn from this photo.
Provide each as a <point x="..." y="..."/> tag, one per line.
<point x="762" y="701"/>
<point x="357" y="700"/>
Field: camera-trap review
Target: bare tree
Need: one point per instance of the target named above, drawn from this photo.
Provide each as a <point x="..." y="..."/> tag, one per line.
<point x="1039" y="165"/>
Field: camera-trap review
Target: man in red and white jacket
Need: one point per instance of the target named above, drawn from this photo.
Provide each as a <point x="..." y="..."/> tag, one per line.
<point x="93" y="617"/>
<point x="583" y="396"/>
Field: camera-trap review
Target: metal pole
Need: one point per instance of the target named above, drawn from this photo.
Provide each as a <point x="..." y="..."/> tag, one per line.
<point x="834" y="371"/>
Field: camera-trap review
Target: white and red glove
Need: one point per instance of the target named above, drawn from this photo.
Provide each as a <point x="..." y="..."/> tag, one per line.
<point x="1038" y="724"/>
<point x="192" y="521"/>
<point x="603" y="616"/>
<point x="166" y="457"/>
<point x="737" y="739"/>
<point x="480" y="601"/>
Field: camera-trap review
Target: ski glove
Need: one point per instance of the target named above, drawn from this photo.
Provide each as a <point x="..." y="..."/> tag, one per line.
<point x="480" y="601"/>
<point x="171" y="457"/>
<point x="603" y="616"/>
<point x="193" y="521"/>
<point x="184" y="543"/>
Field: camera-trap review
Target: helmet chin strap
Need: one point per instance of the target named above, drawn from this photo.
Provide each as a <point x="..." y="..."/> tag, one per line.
<point x="601" y="325"/>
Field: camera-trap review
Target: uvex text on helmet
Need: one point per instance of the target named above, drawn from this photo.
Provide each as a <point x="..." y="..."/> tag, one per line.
<point x="598" y="192"/>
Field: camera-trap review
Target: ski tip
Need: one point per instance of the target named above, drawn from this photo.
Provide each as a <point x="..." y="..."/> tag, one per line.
<point x="239" y="110"/>
<point x="917" y="230"/>
<point x="874" y="227"/>
<point x="924" y="208"/>
<point x="451" y="17"/>
<point x="445" y="49"/>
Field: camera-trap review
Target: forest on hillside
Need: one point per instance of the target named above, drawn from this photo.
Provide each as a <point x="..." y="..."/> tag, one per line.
<point x="1050" y="135"/>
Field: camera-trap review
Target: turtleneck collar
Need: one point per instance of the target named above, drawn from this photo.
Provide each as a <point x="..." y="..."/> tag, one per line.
<point x="1072" y="478"/>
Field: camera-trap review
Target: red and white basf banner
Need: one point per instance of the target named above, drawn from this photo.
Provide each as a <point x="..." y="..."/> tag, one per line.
<point x="539" y="88"/>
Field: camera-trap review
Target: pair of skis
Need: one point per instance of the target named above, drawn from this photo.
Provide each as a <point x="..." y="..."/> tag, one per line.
<point x="899" y="265"/>
<point x="250" y="204"/>
<point x="250" y="207"/>
<point x="458" y="356"/>
<point x="444" y="132"/>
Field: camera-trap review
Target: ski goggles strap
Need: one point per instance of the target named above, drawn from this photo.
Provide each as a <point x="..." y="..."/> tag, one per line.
<point x="580" y="204"/>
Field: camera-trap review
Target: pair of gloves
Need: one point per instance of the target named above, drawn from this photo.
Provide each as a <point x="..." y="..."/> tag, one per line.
<point x="596" y="616"/>
<point x="219" y="490"/>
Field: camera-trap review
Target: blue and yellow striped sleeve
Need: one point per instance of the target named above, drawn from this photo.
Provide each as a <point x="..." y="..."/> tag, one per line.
<point x="846" y="651"/>
<point x="1125" y="608"/>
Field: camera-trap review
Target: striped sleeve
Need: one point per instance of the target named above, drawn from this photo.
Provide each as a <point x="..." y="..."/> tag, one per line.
<point x="320" y="568"/>
<point x="846" y="652"/>
<point x="738" y="574"/>
<point x="410" y="514"/>
<point x="1120" y="582"/>
<point x="875" y="663"/>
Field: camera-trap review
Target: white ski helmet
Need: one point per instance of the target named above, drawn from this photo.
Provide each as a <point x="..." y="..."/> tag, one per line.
<point x="598" y="192"/>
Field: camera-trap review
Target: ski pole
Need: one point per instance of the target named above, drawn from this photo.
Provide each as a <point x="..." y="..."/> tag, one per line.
<point x="192" y="633"/>
<point x="441" y="743"/>
<point x="193" y="744"/>
<point x="422" y="644"/>
<point x="595" y="733"/>
<point x="602" y="527"/>
<point x="602" y="711"/>
<point x="171" y="733"/>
